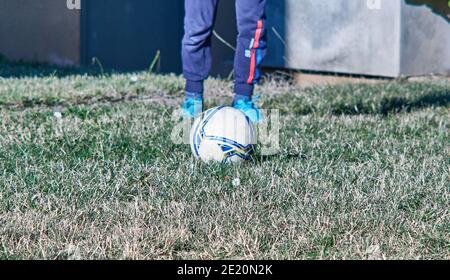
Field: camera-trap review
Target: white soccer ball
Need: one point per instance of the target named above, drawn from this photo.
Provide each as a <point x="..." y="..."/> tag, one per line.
<point x="223" y="134"/>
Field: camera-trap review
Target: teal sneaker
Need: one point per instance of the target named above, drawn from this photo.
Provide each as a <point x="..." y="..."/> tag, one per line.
<point x="249" y="108"/>
<point x="192" y="107"/>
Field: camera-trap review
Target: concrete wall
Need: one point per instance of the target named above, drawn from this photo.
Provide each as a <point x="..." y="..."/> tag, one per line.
<point x="350" y="36"/>
<point x="40" y="30"/>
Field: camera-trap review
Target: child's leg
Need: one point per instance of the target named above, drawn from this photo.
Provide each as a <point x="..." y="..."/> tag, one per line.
<point x="251" y="45"/>
<point x="196" y="46"/>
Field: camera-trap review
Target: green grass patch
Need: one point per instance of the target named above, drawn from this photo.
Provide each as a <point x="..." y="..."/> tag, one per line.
<point x="362" y="173"/>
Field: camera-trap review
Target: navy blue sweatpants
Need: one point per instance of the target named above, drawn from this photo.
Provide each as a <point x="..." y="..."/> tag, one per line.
<point x="250" y="50"/>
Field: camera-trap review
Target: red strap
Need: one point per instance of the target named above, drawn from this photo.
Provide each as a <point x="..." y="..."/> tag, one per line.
<point x="254" y="47"/>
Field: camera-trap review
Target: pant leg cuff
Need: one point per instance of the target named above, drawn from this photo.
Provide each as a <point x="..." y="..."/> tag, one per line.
<point x="194" y="86"/>
<point x="244" y="89"/>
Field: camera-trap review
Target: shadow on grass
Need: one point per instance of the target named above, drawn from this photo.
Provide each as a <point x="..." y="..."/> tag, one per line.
<point x="279" y="157"/>
<point x="383" y="99"/>
<point x="398" y="104"/>
<point x="393" y="104"/>
<point x="20" y="69"/>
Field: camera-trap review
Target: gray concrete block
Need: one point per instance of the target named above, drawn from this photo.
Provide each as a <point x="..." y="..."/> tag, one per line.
<point x="383" y="38"/>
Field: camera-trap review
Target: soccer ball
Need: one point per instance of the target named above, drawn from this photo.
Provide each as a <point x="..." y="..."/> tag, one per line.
<point x="222" y="134"/>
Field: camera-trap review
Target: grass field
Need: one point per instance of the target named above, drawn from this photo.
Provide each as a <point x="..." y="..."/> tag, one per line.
<point x="363" y="172"/>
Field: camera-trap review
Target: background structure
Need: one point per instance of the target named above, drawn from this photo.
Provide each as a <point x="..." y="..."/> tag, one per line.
<point x="388" y="38"/>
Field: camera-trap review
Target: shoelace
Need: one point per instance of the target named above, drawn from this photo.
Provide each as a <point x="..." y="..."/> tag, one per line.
<point x="188" y="103"/>
<point x="252" y="101"/>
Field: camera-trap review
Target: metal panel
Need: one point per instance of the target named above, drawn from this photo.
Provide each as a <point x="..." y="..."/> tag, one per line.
<point x="40" y="31"/>
<point x="126" y="35"/>
<point x="225" y="26"/>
